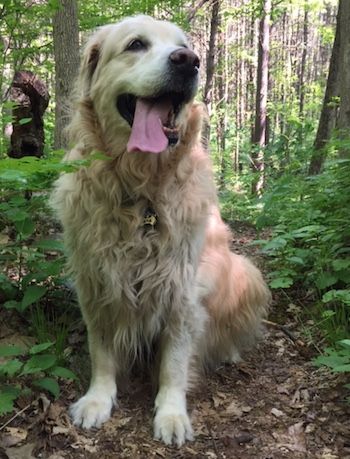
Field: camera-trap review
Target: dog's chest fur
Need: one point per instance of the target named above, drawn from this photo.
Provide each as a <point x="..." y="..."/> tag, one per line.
<point x="137" y="266"/>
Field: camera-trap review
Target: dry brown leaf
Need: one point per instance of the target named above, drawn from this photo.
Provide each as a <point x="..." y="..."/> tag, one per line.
<point x="13" y="436"/>
<point x="277" y="413"/>
<point x="234" y="409"/>
<point x="22" y="452"/>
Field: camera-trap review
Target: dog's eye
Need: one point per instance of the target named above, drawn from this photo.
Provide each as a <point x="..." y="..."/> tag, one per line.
<point x="136" y="45"/>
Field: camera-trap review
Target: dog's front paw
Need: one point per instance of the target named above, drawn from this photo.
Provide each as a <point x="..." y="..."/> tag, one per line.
<point x="92" y="410"/>
<point x="172" y="426"/>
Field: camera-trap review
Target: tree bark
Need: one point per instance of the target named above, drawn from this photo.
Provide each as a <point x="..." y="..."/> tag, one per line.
<point x="214" y="25"/>
<point x="260" y="128"/>
<point x="328" y="112"/>
<point x="343" y="121"/>
<point x="66" y="51"/>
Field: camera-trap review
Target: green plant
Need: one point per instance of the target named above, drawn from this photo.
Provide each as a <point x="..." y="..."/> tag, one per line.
<point x="22" y="371"/>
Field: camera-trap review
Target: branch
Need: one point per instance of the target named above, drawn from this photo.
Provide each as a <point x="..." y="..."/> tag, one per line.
<point x="193" y="11"/>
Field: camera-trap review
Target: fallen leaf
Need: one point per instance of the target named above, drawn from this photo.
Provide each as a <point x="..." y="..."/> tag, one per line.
<point x="13" y="436"/>
<point x="234" y="409"/>
<point x="277" y="413"/>
<point x="21" y="452"/>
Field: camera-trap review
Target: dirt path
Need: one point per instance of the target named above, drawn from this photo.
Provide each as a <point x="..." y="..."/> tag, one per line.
<point x="273" y="405"/>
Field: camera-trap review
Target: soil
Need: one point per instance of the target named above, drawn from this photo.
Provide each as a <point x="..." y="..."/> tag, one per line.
<point x="275" y="404"/>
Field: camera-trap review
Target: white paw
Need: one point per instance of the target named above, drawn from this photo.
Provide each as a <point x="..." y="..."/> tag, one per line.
<point x="172" y="427"/>
<point x="92" y="410"/>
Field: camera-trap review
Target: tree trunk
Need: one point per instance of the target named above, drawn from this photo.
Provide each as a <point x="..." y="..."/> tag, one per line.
<point x="214" y="25"/>
<point x="343" y="121"/>
<point x="260" y="129"/>
<point x="303" y="63"/>
<point x="66" y="50"/>
<point x="328" y="112"/>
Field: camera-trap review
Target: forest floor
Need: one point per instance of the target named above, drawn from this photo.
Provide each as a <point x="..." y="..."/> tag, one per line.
<point x="273" y="405"/>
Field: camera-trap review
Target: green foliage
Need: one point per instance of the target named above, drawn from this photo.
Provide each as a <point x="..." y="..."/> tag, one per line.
<point x="336" y="358"/>
<point x="43" y="369"/>
<point x="310" y="241"/>
<point x="32" y="280"/>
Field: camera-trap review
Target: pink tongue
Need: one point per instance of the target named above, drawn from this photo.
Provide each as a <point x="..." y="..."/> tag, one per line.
<point x="147" y="133"/>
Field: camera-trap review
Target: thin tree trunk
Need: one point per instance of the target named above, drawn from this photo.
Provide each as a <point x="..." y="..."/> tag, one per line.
<point x="66" y="50"/>
<point x="303" y="63"/>
<point x="259" y="135"/>
<point x="328" y="112"/>
<point x="214" y="25"/>
<point x="343" y="122"/>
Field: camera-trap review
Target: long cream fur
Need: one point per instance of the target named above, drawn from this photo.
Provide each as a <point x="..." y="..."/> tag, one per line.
<point x="177" y="287"/>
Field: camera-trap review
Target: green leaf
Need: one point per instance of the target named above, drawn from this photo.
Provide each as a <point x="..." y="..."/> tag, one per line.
<point x="332" y="361"/>
<point x="345" y="343"/>
<point x="341" y="263"/>
<point x="39" y="363"/>
<point x="7" y="397"/>
<point x="50" y="244"/>
<point x="63" y="373"/>
<point x="342" y="368"/>
<point x="40" y="347"/>
<point x="48" y="384"/>
<point x="281" y="282"/>
<point x="326" y="280"/>
<point x="32" y="294"/>
<point x="337" y="295"/>
<point x="7" y="350"/>
<point x="11" y="367"/>
<point x="24" y="121"/>
<point x="25" y="227"/>
<point x="12" y="304"/>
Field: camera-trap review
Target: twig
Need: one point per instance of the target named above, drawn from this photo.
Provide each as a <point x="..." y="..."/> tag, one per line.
<point x="285" y="331"/>
<point x="212" y="439"/>
<point x="15" y="416"/>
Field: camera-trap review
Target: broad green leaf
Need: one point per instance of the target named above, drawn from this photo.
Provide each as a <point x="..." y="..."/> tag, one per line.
<point x="281" y="282"/>
<point x="13" y="175"/>
<point x="345" y="343"/>
<point x="24" y="121"/>
<point x="48" y="384"/>
<point x="39" y="363"/>
<point x="63" y="373"/>
<point x="11" y="367"/>
<point x="325" y="280"/>
<point x="337" y="295"/>
<point x="40" y="347"/>
<point x="50" y="244"/>
<point x="341" y="263"/>
<point x="342" y="368"/>
<point x="25" y="227"/>
<point x="7" y="397"/>
<point x="12" y="304"/>
<point x="32" y="294"/>
<point x="7" y="350"/>
<point x="331" y="361"/>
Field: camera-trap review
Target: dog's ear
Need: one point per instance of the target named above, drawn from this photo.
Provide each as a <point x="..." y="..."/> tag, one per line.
<point x="89" y="62"/>
<point x="90" y="59"/>
<point x="93" y="58"/>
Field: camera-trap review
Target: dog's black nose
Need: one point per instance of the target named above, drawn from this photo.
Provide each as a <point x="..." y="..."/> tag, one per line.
<point x="184" y="61"/>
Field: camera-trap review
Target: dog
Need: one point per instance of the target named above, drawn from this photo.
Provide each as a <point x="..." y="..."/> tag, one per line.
<point x="147" y="249"/>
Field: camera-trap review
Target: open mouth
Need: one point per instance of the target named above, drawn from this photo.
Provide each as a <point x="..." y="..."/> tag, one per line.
<point x="152" y="120"/>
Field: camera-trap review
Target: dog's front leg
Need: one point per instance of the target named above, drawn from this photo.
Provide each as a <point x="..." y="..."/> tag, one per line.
<point x="171" y="422"/>
<point x="96" y="405"/>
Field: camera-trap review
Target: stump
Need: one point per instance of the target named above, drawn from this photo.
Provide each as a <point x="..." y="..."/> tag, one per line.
<point x="31" y="99"/>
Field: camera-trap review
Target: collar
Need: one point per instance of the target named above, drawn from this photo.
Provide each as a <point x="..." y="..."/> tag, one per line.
<point x="150" y="218"/>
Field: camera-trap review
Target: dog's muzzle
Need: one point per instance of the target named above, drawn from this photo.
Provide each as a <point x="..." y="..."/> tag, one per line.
<point x="153" y="119"/>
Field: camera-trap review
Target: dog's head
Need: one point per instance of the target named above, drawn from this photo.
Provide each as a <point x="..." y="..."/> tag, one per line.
<point x="140" y="76"/>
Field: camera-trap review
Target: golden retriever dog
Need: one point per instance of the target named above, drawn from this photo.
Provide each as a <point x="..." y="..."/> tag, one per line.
<point x="147" y="249"/>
